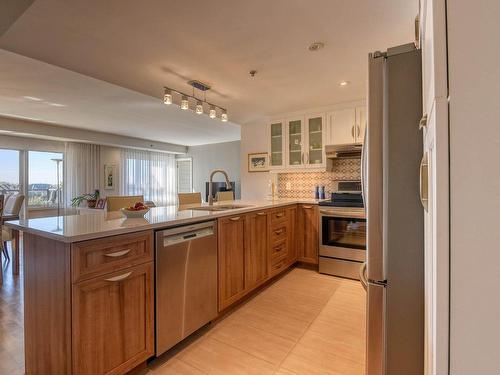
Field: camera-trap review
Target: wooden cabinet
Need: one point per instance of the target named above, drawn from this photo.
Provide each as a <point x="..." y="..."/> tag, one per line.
<point x="232" y="243"/>
<point x="87" y="313"/>
<point x="346" y="126"/>
<point x="256" y="264"/>
<point x="307" y="232"/>
<point x="292" y="235"/>
<point x="113" y="321"/>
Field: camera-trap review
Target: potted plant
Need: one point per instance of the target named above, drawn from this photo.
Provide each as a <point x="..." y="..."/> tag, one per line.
<point x="91" y="199"/>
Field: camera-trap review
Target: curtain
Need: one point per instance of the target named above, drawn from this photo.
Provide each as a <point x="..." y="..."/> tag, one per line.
<point x="151" y="174"/>
<point x="81" y="170"/>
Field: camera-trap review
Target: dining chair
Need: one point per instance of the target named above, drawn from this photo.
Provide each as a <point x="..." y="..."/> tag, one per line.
<point x="189" y="198"/>
<point x="11" y="210"/>
<point x="224" y="196"/>
<point x="116" y="202"/>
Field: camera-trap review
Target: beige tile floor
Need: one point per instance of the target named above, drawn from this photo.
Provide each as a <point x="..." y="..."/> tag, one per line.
<point x="303" y="324"/>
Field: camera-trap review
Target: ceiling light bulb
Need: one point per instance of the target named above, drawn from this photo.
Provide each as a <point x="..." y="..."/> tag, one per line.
<point x="167" y="98"/>
<point x="223" y="117"/>
<point x="344" y="83"/>
<point x="184" y="102"/>
<point x="199" y="107"/>
<point x="212" y="113"/>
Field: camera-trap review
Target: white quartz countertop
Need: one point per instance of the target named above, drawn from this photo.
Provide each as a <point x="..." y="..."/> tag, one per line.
<point x="85" y="226"/>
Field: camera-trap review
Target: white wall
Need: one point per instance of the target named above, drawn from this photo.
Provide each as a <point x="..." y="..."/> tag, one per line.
<point x="253" y="139"/>
<point x="224" y="156"/>
<point x="474" y="86"/>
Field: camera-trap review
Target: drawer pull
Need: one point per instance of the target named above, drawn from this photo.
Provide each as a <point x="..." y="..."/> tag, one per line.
<point x="261" y="213"/>
<point x="279" y="214"/>
<point x="307" y="207"/>
<point x="279" y="248"/>
<point x="278" y="232"/>
<point x="120" y="277"/>
<point x="234" y="218"/>
<point x="118" y="254"/>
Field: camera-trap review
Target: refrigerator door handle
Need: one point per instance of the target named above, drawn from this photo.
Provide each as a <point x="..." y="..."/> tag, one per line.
<point x="362" y="276"/>
<point x="424" y="178"/>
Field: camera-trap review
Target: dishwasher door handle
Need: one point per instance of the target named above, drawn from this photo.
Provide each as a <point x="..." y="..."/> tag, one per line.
<point x="189" y="236"/>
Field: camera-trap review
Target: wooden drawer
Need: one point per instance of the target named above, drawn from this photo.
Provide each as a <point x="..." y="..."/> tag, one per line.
<point x="278" y="264"/>
<point x="98" y="257"/>
<point x="279" y="215"/>
<point x="279" y="249"/>
<point x="279" y="232"/>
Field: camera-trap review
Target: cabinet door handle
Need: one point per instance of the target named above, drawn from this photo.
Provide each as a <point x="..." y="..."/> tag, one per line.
<point x="358" y="128"/>
<point x="120" y="277"/>
<point x="307" y="207"/>
<point x="118" y="254"/>
<point x="261" y="213"/>
<point x="279" y="214"/>
<point x="352" y="132"/>
<point x="279" y="231"/>
<point x="234" y="218"/>
<point x="307" y="158"/>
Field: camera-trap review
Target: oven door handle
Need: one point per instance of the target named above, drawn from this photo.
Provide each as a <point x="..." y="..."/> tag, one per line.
<point x="346" y="215"/>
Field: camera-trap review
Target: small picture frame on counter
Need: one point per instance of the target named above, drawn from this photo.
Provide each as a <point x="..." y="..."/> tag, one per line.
<point x="258" y="162"/>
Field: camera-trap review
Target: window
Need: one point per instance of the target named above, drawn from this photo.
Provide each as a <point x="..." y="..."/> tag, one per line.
<point x="151" y="174"/>
<point x="44" y="178"/>
<point x="9" y="173"/>
<point x="184" y="175"/>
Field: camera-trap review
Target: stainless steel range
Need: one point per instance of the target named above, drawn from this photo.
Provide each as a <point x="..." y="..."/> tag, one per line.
<point x="342" y="232"/>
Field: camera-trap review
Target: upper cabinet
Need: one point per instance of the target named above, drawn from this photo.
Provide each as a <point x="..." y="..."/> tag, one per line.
<point x="346" y="126"/>
<point x="295" y="131"/>
<point x="299" y="142"/>
<point x="315" y="136"/>
<point x="277" y="151"/>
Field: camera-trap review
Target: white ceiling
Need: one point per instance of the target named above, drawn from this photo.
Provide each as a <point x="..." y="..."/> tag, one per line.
<point x="142" y="46"/>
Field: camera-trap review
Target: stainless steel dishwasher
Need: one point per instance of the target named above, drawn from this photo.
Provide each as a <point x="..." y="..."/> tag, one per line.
<point x="186" y="281"/>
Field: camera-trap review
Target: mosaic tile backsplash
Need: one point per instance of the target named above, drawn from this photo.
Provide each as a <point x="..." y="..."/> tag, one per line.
<point x="303" y="184"/>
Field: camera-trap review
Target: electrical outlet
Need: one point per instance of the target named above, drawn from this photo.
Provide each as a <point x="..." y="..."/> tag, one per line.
<point x="288" y="186"/>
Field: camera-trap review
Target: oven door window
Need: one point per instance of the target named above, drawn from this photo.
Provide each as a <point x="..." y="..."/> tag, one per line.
<point x="344" y="232"/>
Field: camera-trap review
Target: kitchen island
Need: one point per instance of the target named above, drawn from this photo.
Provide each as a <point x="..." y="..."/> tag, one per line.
<point x="89" y="278"/>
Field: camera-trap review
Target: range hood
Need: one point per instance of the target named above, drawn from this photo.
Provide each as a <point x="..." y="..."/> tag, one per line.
<point x="346" y="151"/>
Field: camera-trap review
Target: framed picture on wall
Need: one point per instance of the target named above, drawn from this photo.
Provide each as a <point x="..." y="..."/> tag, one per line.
<point x="258" y="162"/>
<point x="109" y="176"/>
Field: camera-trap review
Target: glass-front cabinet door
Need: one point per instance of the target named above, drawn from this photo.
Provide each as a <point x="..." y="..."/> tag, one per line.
<point x="277" y="145"/>
<point x="314" y="156"/>
<point x="295" y="142"/>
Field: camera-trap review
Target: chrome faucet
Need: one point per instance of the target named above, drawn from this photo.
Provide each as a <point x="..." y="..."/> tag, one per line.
<point x="228" y="184"/>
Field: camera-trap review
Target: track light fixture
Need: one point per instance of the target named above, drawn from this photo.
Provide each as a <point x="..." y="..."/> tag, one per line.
<point x="168" y="98"/>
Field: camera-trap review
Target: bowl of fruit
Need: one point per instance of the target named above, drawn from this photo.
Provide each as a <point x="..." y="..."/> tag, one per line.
<point x="137" y="210"/>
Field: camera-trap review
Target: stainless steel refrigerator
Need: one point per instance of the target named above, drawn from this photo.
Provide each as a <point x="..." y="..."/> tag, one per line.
<point x="394" y="271"/>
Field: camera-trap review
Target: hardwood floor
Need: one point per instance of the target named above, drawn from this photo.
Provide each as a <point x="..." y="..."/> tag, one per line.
<point x="11" y="321"/>
<point x="304" y="324"/>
